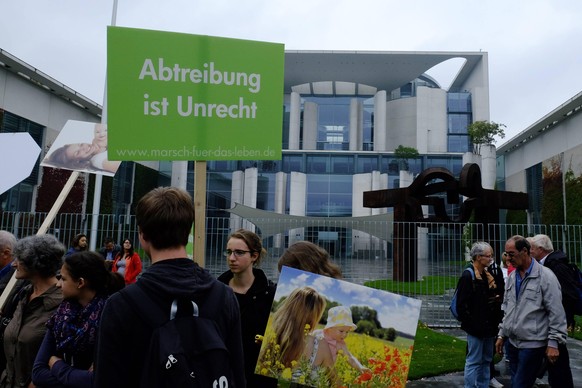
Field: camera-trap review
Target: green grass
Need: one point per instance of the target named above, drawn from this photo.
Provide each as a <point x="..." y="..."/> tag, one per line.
<point x="430" y="285"/>
<point x="436" y="354"/>
<point x="577" y="332"/>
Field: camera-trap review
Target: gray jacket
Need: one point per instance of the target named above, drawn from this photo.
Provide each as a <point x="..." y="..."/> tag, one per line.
<point x="537" y="319"/>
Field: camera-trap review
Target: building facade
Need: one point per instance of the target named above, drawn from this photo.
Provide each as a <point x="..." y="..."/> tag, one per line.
<point x="545" y="161"/>
<point x="344" y="115"/>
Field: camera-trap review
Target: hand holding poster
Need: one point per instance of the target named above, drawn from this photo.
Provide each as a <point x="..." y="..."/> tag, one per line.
<point x="325" y="332"/>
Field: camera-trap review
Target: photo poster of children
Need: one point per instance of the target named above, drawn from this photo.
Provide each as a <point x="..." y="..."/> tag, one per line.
<point x="81" y="146"/>
<point x="325" y="332"/>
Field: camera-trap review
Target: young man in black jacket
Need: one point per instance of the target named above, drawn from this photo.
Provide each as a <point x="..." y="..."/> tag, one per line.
<point x="164" y="218"/>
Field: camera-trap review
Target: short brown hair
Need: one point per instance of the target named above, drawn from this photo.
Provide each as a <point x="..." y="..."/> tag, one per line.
<point x="164" y="217"/>
<point x="253" y="241"/>
<point x="307" y="256"/>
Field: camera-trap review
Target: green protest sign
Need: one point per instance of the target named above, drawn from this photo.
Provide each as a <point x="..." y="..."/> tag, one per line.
<point x="173" y="96"/>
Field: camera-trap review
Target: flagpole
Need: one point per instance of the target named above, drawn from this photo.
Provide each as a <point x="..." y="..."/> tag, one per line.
<point x="98" y="177"/>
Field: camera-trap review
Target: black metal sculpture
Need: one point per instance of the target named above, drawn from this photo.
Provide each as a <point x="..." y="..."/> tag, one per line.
<point x="407" y="202"/>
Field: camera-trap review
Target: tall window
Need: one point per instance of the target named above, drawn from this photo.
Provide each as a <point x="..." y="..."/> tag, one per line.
<point x="459" y="117"/>
<point x="534" y="181"/>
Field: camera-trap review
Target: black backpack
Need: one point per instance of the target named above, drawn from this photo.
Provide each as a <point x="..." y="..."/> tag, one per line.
<point x="453" y="304"/>
<point x="185" y="350"/>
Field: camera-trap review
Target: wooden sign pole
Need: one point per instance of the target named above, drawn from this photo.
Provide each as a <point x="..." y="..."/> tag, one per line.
<point x="200" y="212"/>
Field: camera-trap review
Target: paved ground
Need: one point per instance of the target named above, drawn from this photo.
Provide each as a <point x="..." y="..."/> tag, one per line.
<point x="454" y="380"/>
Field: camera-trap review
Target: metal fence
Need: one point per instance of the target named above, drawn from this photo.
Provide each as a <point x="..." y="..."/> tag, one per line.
<point x="438" y="248"/>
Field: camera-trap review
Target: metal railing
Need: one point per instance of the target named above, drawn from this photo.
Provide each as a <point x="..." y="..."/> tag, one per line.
<point x="437" y="249"/>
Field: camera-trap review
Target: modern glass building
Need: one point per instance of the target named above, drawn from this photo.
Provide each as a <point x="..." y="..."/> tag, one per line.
<point x="344" y="115"/>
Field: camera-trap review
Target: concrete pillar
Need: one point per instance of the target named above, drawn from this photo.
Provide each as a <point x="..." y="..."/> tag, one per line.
<point x="297" y="201"/>
<point x="361" y="242"/>
<point x="384" y="185"/>
<point x="179" y="174"/>
<point x="294" y="121"/>
<point x="376" y="185"/>
<point x="236" y="196"/>
<point x="310" y="119"/>
<point x="488" y="166"/>
<point x="380" y="121"/>
<point x="356" y="125"/>
<point x="469" y="157"/>
<point x="250" y="193"/>
<point x="280" y="200"/>
<point x="422" y="252"/>
<point x="405" y="178"/>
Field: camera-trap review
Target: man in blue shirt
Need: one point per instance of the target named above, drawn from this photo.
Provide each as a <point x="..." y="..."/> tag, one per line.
<point x="534" y="322"/>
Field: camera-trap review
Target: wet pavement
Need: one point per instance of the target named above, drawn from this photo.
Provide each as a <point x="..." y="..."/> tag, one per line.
<point x="453" y="380"/>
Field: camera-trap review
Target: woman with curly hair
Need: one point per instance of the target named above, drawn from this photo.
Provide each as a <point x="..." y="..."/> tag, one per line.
<point x="79" y="243"/>
<point x="37" y="259"/>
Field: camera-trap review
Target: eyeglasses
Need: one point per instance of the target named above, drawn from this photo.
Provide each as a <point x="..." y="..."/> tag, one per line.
<point x="487" y="256"/>
<point x="238" y="253"/>
<point x="510" y="254"/>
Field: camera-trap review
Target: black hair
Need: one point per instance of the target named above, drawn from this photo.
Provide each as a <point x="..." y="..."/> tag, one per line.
<point x="91" y="267"/>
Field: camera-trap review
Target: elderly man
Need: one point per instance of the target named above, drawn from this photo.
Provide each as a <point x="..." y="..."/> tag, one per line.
<point x="542" y="249"/>
<point x="7" y="243"/>
<point x="534" y="322"/>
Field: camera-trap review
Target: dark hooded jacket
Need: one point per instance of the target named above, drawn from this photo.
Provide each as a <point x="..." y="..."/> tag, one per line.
<point x="124" y="339"/>
<point x="557" y="261"/>
<point x="255" y="307"/>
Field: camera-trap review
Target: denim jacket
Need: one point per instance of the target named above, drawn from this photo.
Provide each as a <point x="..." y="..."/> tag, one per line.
<point x="537" y="319"/>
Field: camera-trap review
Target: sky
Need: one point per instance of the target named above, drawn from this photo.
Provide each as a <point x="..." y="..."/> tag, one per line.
<point x="534" y="47"/>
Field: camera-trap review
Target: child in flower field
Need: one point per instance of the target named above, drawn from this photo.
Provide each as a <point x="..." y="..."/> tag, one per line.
<point x="339" y="325"/>
<point x="291" y="351"/>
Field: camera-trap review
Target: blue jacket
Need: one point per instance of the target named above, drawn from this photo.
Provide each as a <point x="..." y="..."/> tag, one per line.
<point x="537" y="319"/>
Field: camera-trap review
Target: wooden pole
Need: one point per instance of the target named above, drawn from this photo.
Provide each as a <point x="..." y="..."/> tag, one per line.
<point x="200" y="209"/>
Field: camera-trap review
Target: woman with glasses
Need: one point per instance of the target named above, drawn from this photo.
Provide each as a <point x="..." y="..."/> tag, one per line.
<point x="254" y="292"/>
<point x="479" y="308"/>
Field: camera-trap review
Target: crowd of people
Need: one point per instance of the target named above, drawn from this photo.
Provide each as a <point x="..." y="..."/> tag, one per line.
<point x="524" y="317"/>
<point x="75" y="318"/>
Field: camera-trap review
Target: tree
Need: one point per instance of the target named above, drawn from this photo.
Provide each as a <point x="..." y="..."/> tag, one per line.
<point x="403" y="153"/>
<point x="484" y="132"/>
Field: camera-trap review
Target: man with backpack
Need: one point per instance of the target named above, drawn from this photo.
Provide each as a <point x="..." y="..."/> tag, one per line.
<point x="177" y="325"/>
<point x="542" y="249"/>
